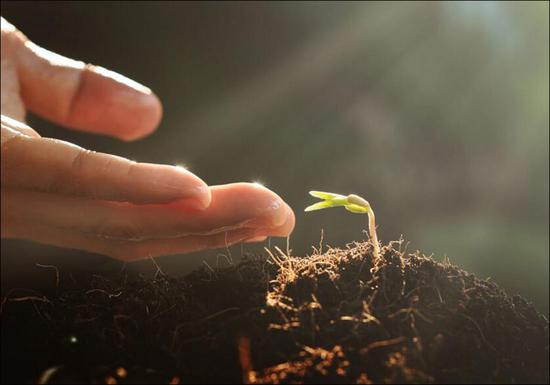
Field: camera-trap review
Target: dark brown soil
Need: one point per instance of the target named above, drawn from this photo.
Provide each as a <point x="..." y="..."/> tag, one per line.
<point x="331" y="317"/>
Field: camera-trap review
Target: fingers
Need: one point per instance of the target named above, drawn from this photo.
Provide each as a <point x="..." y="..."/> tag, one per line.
<point x="83" y="97"/>
<point x="131" y="251"/>
<point x="233" y="207"/>
<point x="31" y="215"/>
<point x="236" y="204"/>
<point x="11" y="103"/>
<point x="12" y="128"/>
<point x="48" y="165"/>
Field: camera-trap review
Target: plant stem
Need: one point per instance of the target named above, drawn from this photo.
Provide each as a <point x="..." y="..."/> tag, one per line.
<point x="373" y="235"/>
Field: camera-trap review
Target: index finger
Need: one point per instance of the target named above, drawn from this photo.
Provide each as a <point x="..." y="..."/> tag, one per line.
<point x="50" y="165"/>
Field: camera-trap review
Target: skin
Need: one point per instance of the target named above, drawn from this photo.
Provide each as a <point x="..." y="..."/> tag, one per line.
<point x="57" y="193"/>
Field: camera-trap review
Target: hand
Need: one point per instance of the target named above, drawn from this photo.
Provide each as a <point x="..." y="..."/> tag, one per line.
<point x="58" y="193"/>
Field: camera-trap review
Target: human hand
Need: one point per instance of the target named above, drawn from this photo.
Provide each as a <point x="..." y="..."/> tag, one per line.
<point x="57" y="193"/>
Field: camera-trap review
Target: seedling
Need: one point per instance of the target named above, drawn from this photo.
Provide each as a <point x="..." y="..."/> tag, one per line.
<point x="353" y="203"/>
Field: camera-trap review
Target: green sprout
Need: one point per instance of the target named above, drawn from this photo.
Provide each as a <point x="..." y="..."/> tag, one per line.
<point x="353" y="203"/>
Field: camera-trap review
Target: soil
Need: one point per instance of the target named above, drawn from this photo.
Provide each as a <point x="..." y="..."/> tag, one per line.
<point x="333" y="317"/>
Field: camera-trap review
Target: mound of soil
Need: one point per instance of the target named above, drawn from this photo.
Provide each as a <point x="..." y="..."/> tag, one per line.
<point x="333" y="317"/>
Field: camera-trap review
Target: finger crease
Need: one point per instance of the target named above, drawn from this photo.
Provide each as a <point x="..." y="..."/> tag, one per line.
<point x="76" y="93"/>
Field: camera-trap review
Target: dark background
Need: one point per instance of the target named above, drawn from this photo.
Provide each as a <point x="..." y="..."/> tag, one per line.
<point x="437" y="113"/>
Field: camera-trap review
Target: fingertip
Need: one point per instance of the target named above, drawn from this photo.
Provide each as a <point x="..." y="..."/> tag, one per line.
<point x="195" y="193"/>
<point x="285" y="220"/>
<point x="202" y="197"/>
<point x="200" y="192"/>
<point x="275" y="213"/>
<point x="284" y="230"/>
<point x="280" y="222"/>
<point x="112" y="104"/>
<point x="283" y="217"/>
<point x="272" y="212"/>
<point x="288" y="226"/>
<point x="150" y="110"/>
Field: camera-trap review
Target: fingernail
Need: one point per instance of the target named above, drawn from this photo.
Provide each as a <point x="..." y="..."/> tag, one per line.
<point x="145" y="109"/>
<point x="120" y="79"/>
<point x="274" y="215"/>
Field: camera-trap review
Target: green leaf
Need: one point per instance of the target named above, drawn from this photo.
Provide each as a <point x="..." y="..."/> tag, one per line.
<point x="325" y="195"/>
<point x="319" y="206"/>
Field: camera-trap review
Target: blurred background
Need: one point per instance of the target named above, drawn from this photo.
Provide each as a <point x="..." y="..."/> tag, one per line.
<point x="436" y="112"/>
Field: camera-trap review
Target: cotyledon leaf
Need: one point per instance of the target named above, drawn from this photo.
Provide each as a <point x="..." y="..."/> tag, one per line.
<point x="326" y="195"/>
<point x="353" y="203"/>
<point x="319" y="206"/>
